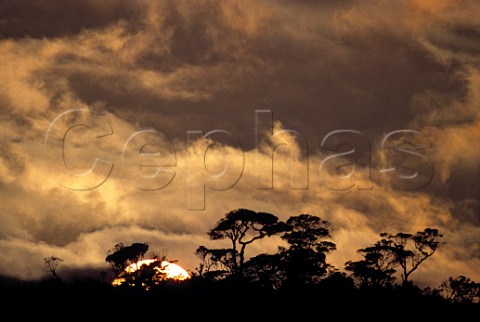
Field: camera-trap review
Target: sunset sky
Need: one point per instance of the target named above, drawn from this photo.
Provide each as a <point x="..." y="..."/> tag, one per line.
<point x="113" y="80"/>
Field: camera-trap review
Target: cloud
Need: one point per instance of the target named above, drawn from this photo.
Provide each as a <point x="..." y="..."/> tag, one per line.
<point x="374" y="67"/>
<point x="49" y="19"/>
<point x="82" y="226"/>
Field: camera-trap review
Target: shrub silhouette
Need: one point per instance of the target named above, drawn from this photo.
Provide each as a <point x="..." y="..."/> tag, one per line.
<point x="52" y="263"/>
<point x="460" y="290"/>
<point x="122" y="256"/>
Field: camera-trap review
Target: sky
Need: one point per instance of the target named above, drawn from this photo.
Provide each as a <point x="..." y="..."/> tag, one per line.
<point x="148" y="121"/>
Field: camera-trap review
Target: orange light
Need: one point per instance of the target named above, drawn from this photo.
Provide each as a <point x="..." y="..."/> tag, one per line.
<point x="171" y="270"/>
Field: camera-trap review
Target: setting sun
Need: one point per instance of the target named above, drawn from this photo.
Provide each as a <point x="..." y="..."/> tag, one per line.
<point x="166" y="271"/>
<point x="171" y="270"/>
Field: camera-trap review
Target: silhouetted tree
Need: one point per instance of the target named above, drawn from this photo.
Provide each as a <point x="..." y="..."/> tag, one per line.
<point x="206" y="261"/>
<point x="405" y="250"/>
<point x="377" y="267"/>
<point x="52" y="263"/>
<point x="265" y="270"/>
<point x="215" y="263"/>
<point x="460" y="290"/>
<point x="409" y="257"/>
<point x="129" y="272"/>
<point x="146" y="275"/>
<point x="122" y="256"/>
<point x="304" y="262"/>
<point x="242" y="227"/>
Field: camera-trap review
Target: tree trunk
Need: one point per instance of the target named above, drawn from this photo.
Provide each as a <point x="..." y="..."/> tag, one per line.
<point x="235" y="264"/>
<point x="242" y="258"/>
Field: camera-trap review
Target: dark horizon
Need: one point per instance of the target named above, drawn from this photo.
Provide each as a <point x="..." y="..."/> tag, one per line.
<point x="365" y="114"/>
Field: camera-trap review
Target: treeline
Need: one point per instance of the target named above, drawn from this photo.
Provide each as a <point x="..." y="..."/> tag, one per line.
<point x="298" y="272"/>
<point x="304" y="260"/>
<point x="301" y="261"/>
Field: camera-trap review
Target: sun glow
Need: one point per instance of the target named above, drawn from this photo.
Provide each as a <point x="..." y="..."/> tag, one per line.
<point x="166" y="271"/>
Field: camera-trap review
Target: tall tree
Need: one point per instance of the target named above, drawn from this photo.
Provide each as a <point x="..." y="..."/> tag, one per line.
<point x="242" y="227"/>
<point x="402" y="250"/>
<point x="410" y="251"/>
<point x="377" y="267"/>
<point x="304" y="262"/>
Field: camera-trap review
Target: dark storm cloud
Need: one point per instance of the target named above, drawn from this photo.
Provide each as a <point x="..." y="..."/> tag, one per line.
<point x="331" y="78"/>
<point x="51" y="18"/>
<point x="315" y="78"/>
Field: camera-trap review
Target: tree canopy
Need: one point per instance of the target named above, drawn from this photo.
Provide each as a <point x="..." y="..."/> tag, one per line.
<point x="122" y="256"/>
<point x="403" y="250"/>
<point x="242" y="227"/>
<point x="304" y="261"/>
